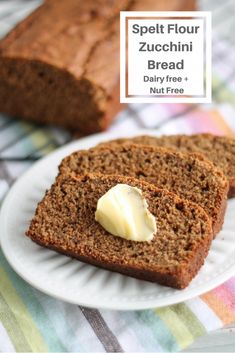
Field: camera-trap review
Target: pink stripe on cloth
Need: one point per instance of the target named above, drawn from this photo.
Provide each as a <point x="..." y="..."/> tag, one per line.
<point x="227" y="295"/>
<point x="178" y="108"/>
<point x="231" y="284"/>
<point x="207" y="121"/>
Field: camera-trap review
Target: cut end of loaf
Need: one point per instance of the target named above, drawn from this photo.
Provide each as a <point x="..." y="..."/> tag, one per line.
<point x="37" y="91"/>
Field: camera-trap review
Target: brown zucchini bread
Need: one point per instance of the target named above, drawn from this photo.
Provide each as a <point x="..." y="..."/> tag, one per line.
<point x="182" y="173"/>
<point x="65" y="221"/>
<point x="220" y="150"/>
<point x="61" y="64"/>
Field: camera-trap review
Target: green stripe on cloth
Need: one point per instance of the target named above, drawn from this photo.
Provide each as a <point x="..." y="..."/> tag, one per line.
<point x="13" y="329"/>
<point x="21" y="314"/>
<point x="226" y="94"/>
<point x="177" y="327"/>
<point x="65" y="325"/>
<point x="36" y="310"/>
<point x="46" y="150"/>
<point x="189" y="319"/>
<point x="36" y="140"/>
<point x="161" y="332"/>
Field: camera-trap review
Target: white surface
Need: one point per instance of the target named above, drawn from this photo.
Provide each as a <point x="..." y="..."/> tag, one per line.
<point x="222" y="340"/>
<point x="83" y="284"/>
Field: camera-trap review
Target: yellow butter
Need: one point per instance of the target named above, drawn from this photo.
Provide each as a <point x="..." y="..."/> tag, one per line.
<point x="123" y="212"/>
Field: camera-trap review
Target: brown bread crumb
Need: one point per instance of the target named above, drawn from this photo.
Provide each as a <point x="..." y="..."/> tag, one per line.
<point x="65" y="221"/>
<point x="220" y="150"/>
<point x="184" y="174"/>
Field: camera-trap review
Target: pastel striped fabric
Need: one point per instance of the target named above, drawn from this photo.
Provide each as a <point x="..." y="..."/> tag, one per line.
<point x="31" y="321"/>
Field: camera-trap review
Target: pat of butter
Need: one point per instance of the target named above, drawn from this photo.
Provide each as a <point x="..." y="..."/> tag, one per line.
<point x="123" y="212"/>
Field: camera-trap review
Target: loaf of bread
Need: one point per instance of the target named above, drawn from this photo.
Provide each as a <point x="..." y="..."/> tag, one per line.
<point x="65" y="221"/>
<point x="220" y="150"/>
<point x="182" y="173"/>
<point x="61" y="64"/>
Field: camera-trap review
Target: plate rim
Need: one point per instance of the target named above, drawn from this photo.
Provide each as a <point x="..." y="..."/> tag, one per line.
<point x="89" y="140"/>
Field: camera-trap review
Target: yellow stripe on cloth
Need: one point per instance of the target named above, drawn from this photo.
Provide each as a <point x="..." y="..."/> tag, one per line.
<point x="8" y="320"/>
<point x="21" y="314"/>
<point x="178" y="329"/>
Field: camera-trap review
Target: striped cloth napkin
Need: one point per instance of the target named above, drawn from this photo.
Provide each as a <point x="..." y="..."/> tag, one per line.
<point x="31" y="321"/>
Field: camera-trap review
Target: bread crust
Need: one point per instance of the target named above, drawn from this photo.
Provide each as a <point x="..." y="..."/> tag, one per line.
<point x="66" y="71"/>
<point x="178" y="280"/>
<point x="231" y="192"/>
<point x="220" y="221"/>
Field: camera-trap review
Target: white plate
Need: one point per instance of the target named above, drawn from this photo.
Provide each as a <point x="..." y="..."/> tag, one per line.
<point x="83" y="284"/>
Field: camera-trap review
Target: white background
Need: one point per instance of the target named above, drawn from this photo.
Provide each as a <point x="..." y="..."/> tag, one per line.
<point x="193" y="61"/>
<point x="134" y="63"/>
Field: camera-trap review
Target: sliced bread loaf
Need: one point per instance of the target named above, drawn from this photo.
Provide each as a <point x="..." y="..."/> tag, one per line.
<point x="65" y="221"/>
<point x="184" y="174"/>
<point x="220" y="150"/>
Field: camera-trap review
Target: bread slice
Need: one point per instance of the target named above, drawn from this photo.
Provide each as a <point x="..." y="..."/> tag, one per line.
<point x="65" y="221"/>
<point x="220" y="150"/>
<point x="184" y="174"/>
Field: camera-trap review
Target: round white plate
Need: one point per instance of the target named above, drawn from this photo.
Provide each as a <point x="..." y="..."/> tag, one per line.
<point x="83" y="284"/>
